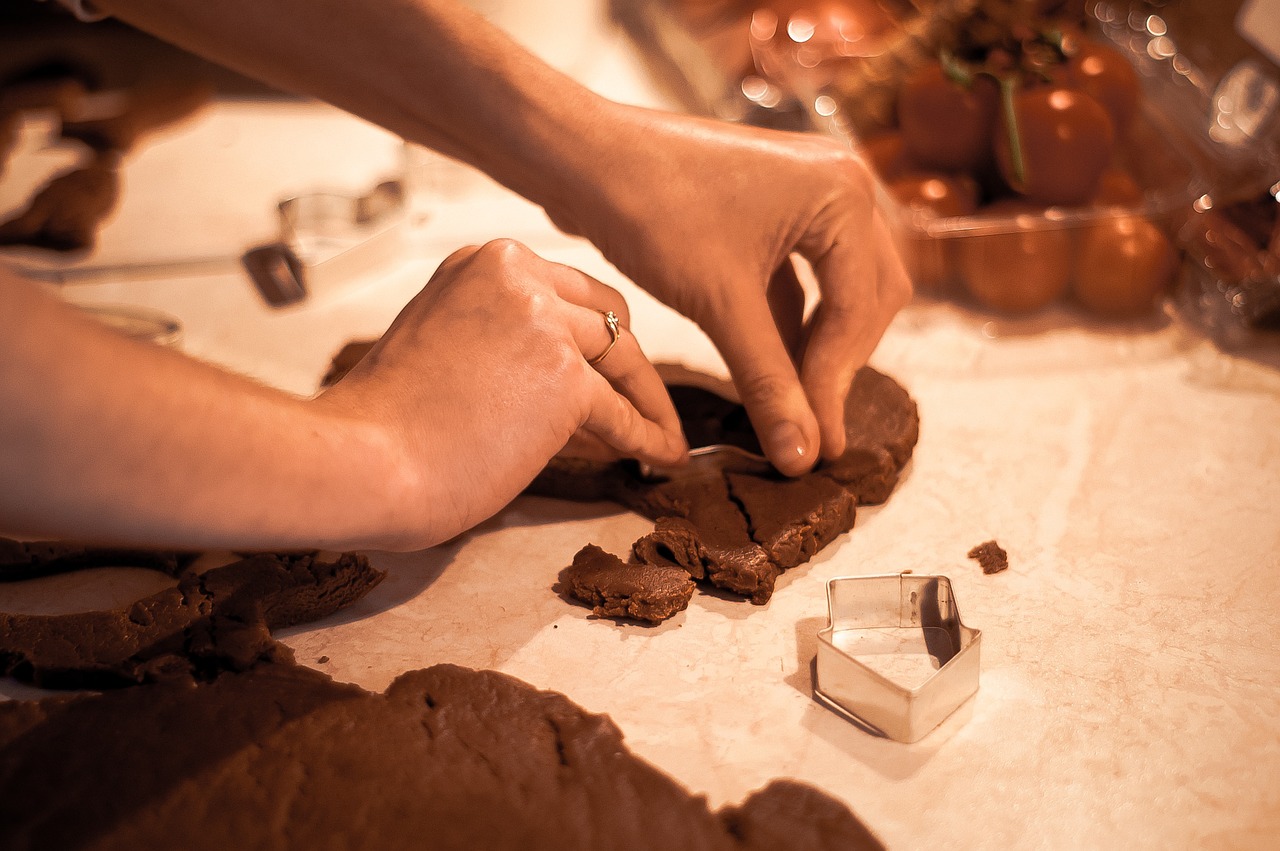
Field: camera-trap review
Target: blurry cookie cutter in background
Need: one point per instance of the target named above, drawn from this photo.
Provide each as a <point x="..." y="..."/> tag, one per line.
<point x="895" y="656"/>
<point x="328" y="242"/>
<point x="138" y="323"/>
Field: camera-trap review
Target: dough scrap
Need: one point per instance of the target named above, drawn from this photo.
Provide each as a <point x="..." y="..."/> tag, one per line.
<point x="991" y="556"/>
<point x="217" y="620"/>
<point x="616" y="589"/>
<point x="30" y="559"/>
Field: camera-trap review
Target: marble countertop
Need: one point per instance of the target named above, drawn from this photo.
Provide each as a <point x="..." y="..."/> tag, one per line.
<point x="1130" y="682"/>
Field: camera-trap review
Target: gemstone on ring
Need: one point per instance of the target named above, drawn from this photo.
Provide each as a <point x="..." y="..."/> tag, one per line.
<point x="615" y="332"/>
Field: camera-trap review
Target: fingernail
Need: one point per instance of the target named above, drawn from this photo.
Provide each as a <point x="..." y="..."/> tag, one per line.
<point x="786" y="442"/>
<point x="677" y="449"/>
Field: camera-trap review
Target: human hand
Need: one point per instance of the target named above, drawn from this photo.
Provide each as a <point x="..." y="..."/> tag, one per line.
<point x="701" y="213"/>
<point x="484" y="376"/>
<point x="705" y="215"/>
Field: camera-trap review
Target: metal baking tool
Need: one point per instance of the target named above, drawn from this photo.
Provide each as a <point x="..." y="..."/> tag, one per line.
<point x="895" y="656"/>
<point x="328" y="242"/>
<point x="277" y="273"/>
<point x="138" y="323"/>
<point x="718" y="457"/>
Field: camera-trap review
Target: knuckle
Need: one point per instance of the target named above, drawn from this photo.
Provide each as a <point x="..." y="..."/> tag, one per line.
<point x="630" y="429"/>
<point x="520" y="285"/>
<point x="530" y="305"/>
<point x="766" y="386"/>
<point x="505" y="250"/>
<point x="563" y="359"/>
<point x="841" y="310"/>
<point x="507" y="259"/>
<point x="456" y="264"/>
<point x="463" y="254"/>
<point x="853" y="177"/>
<point x="617" y="302"/>
<point x="858" y="180"/>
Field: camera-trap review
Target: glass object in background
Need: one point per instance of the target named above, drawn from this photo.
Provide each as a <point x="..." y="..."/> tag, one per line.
<point x="1216" y="69"/>
<point x="430" y="180"/>
<point x="138" y="323"/>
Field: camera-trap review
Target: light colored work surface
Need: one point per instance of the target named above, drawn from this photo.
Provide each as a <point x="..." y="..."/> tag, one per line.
<point x="1130" y="691"/>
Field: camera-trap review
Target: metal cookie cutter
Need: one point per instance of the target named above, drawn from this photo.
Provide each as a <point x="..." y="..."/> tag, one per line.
<point x="139" y="323"/>
<point x="896" y="656"/>
<point x="327" y="242"/>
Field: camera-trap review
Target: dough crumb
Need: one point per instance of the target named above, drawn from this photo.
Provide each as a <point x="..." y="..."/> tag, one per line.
<point x="991" y="556"/>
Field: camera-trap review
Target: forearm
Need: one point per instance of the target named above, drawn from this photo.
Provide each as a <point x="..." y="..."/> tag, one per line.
<point x="432" y="71"/>
<point x="107" y="440"/>
<point x="701" y="213"/>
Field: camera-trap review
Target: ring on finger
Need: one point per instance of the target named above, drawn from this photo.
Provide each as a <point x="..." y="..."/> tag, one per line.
<point x="612" y="323"/>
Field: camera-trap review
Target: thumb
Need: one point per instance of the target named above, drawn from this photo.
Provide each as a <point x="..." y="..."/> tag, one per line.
<point x="786" y="302"/>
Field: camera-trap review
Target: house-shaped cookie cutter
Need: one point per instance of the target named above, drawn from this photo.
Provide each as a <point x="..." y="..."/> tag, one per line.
<point x="895" y="656"/>
<point x="328" y="242"/>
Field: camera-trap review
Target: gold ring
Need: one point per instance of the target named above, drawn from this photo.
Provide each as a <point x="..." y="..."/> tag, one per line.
<point x="611" y="322"/>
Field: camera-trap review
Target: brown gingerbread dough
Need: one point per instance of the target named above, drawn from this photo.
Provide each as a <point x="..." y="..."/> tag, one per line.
<point x="697" y="526"/>
<point x="65" y="215"/>
<point x="740" y="531"/>
<point x="990" y="556"/>
<point x="737" y="531"/>
<point x="68" y="211"/>
<point x="792" y="519"/>
<point x="447" y="758"/>
<point x="882" y="426"/>
<point x="644" y="592"/>
<point x="29" y="559"/>
<point x="217" y="620"/>
<point x="147" y="106"/>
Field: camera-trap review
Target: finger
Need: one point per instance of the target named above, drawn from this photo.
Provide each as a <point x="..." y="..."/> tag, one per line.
<point x="849" y="322"/>
<point x="461" y="255"/>
<point x="576" y="286"/>
<point x="613" y="419"/>
<point x="828" y="369"/>
<point x="786" y="303"/>
<point x="767" y="381"/>
<point x="627" y="370"/>
<point x="620" y="361"/>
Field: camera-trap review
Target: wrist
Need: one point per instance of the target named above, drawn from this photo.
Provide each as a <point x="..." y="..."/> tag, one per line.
<point x="594" y="163"/>
<point x="379" y="499"/>
<point x="561" y="149"/>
